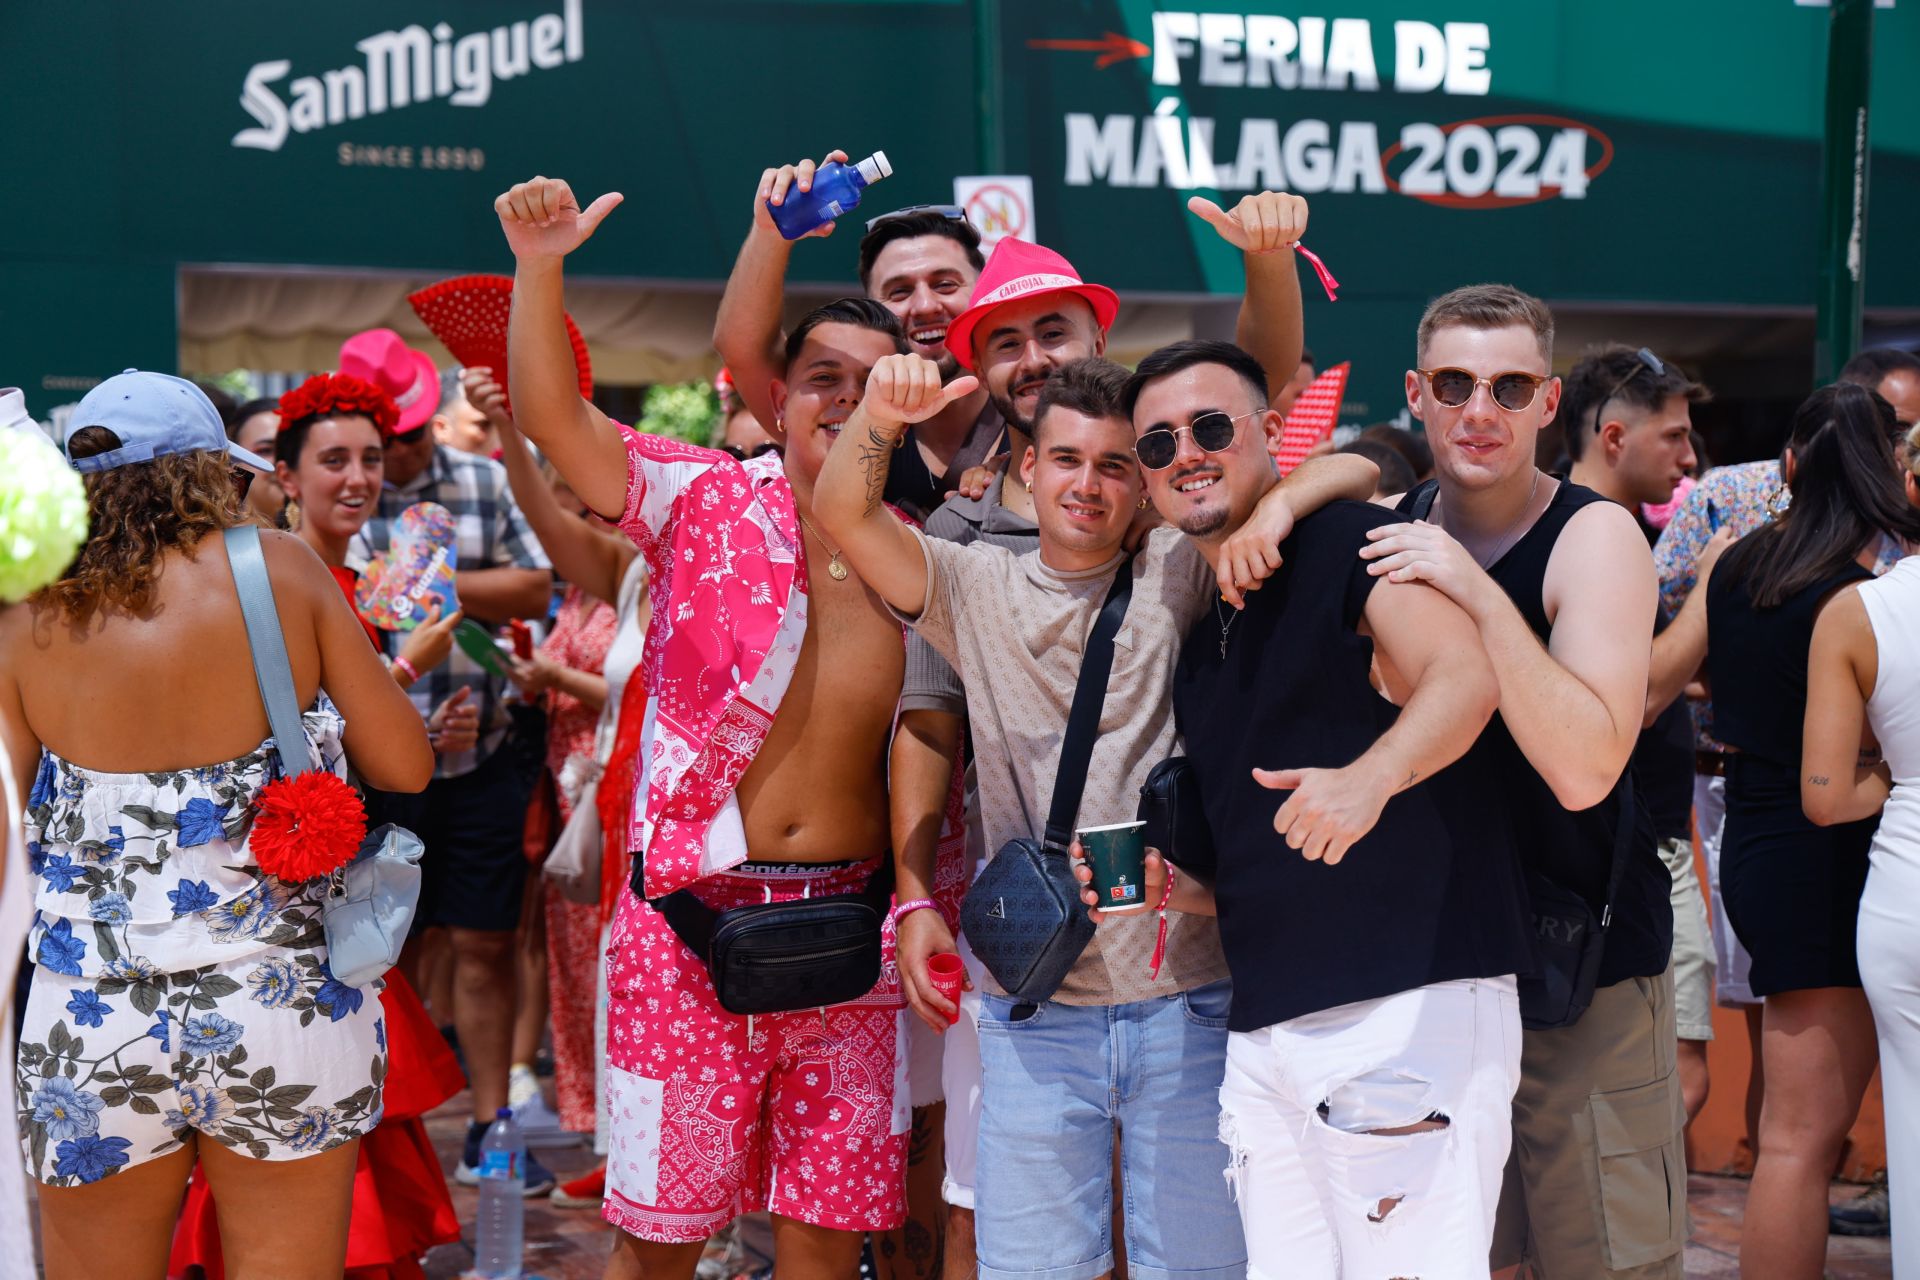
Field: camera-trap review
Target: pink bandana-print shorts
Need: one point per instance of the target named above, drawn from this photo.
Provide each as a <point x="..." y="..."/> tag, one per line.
<point x="713" y="1115"/>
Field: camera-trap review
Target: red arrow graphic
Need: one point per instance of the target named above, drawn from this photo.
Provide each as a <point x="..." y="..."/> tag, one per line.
<point x="1112" y="47"/>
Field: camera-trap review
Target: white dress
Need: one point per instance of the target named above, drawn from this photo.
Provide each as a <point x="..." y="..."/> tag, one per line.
<point x="16" y="909"/>
<point x="1889" y="931"/>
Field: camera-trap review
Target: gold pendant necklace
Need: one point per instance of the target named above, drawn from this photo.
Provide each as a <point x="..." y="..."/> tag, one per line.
<point x="835" y="570"/>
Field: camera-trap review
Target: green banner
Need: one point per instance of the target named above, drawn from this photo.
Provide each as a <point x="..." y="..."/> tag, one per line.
<point x="1619" y="154"/>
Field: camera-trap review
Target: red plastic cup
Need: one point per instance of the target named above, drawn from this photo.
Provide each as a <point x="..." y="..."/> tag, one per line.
<point x="947" y="973"/>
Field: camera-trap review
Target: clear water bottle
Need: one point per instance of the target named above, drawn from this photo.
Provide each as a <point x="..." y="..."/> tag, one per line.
<point x="502" y="1217"/>
<point x="836" y="189"/>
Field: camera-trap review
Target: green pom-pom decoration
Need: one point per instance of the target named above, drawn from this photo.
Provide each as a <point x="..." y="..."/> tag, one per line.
<point x="43" y="514"/>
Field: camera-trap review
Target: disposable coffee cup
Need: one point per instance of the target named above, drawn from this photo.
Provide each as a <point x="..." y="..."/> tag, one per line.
<point x="947" y="974"/>
<point x="1117" y="856"/>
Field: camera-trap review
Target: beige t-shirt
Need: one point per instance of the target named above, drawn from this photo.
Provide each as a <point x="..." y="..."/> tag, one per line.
<point x="1015" y="630"/>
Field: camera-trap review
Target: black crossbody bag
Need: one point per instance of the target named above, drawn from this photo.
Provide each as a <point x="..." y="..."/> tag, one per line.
<point x="1569" y="939"/>
<point x="1176" y="820"/>
<point x="775" y="957"/>
<point x="1023" y="916"/>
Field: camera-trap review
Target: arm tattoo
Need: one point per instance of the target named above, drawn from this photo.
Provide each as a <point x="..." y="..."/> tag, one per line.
<point x="875" y="455"/>
<point x="1818" y="779"/>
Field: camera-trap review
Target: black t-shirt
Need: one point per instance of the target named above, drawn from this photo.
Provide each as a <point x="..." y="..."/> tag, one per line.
<point x="1663" y="757"/>
<point x="1575" y="847"/>
<point x="1432" y="893"/>
<point x="1663" y="769"/>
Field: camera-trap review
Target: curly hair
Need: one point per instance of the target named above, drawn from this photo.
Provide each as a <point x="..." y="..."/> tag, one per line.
<point x="137" y="513"/>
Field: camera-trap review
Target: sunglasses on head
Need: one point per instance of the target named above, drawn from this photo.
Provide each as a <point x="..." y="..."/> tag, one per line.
<point x="1211" y="431"/>
<point x="1452" y="388"/>
<point x="950" y="211"/>
<point x="1644" y="361"/>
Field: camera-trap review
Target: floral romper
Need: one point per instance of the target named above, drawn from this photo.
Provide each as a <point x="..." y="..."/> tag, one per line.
<point x="178" y="988"/>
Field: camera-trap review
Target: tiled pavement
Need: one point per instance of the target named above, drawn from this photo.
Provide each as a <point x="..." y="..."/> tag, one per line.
<point x="573" y="1244"/>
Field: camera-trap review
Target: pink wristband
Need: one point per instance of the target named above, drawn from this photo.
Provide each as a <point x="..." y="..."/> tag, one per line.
<point x="413" y="672"/>
<point x="902" y="909"/>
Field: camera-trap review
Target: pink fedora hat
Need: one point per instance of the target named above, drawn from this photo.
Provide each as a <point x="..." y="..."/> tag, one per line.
<point x="384" y="359"/>
<point x="1019" y="270"/>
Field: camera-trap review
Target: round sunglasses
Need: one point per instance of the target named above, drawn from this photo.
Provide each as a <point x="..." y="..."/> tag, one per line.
<point x="1212" y="431"/>
<point x="1512" y="390"/>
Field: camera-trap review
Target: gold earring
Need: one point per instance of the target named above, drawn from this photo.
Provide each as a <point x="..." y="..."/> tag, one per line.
<point x="1143" y="504"/>
<point x="1029" y="485"/>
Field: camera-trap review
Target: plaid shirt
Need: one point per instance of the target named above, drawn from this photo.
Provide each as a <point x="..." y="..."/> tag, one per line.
<point x="1738" y="495"/>
<point x="489" y="533"/>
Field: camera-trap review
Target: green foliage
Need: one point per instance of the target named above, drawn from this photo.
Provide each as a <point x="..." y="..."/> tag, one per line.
<point x="687" y="411"/>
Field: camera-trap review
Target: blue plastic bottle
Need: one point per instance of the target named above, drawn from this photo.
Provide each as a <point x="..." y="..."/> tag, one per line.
<point x="501" y="1221"/>
<point x="836" y="189"/>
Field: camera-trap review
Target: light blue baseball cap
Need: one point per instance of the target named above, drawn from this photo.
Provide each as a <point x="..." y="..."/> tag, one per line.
<point x="154" y="414"/>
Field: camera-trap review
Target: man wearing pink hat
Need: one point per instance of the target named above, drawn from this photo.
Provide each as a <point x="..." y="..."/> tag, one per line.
<point x="471" y="815"/>
<point x="923" y="264"/>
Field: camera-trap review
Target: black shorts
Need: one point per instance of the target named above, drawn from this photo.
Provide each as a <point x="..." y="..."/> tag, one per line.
<point x="474" y="872"/>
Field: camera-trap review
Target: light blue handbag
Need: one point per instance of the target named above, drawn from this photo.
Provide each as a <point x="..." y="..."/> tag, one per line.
<point x="369" y="903"/>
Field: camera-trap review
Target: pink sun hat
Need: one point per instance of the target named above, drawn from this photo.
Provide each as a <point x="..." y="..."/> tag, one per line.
<point x="383" y="358"/>
<point x="1020" y="270"/>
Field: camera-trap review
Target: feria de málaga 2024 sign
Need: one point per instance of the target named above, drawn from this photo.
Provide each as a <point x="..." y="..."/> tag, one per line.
<point x="1489" y="162"/>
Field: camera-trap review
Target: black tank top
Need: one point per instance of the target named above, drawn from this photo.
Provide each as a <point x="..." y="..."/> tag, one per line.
<point x="1757" y="660"/>
<point x="1573" y="847"/>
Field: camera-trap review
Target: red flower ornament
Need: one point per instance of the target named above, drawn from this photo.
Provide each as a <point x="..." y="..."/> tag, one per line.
<point x="305" y="826"/>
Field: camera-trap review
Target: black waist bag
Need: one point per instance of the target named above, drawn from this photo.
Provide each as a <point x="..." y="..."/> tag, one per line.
<point x="1569" y="939"/>
<point x="1176" y="822"/>
<point x="775" y="957"/>
<point x="1023" y="916"/>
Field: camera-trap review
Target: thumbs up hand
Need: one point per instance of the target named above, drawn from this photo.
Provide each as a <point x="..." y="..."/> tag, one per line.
<point x="1263" y="223"/>
<point x="542" y="219"/>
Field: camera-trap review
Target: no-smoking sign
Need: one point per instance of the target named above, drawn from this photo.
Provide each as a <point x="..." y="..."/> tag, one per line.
<point x="998" y="206"/>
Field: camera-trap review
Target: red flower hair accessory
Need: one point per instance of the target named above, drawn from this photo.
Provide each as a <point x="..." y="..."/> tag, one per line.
<point x="308" y="825"/>
<point x="329" y="395"/>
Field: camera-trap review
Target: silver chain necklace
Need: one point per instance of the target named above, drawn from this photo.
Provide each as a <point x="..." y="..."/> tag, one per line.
<point x="1500" y="547"/>
<point x="1226" y="622"/>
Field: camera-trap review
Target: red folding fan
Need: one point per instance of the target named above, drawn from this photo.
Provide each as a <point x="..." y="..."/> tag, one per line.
<point x="1313" y="416"/>
<point x="469" y="316"/>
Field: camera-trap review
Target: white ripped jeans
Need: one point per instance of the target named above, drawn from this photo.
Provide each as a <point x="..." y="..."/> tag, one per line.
<point x="1323" y="1194"/>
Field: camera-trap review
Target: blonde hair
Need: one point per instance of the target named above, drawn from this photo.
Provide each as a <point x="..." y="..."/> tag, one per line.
<point x="1487" y="306"/>
<point x="137" y="513"/>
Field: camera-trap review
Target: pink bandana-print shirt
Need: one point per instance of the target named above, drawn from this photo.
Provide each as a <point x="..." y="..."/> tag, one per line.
<point x="729" y="583"/>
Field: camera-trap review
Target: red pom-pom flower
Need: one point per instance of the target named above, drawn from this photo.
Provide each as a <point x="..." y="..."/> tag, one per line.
<point x="305" y="826"/>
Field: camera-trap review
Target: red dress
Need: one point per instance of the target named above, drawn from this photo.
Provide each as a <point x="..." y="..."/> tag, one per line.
<point x="401" y="1207"/>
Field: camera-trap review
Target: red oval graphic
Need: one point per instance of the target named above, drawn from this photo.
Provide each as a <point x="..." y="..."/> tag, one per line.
<point x="1490" y="200"/>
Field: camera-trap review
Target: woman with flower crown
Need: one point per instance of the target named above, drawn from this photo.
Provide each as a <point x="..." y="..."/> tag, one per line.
<point x="182" y="1006"/>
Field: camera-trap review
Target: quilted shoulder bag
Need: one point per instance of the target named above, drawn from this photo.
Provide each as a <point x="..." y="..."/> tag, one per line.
<point x="369" y="903"/>
<point x="1023" y="916"/>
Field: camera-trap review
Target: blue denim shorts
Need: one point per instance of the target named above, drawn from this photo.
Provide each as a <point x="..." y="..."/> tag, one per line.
<point x="1056" y="1079"/>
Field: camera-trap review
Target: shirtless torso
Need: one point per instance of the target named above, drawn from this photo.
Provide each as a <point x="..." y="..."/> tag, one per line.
<point x="817" y="792"/>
